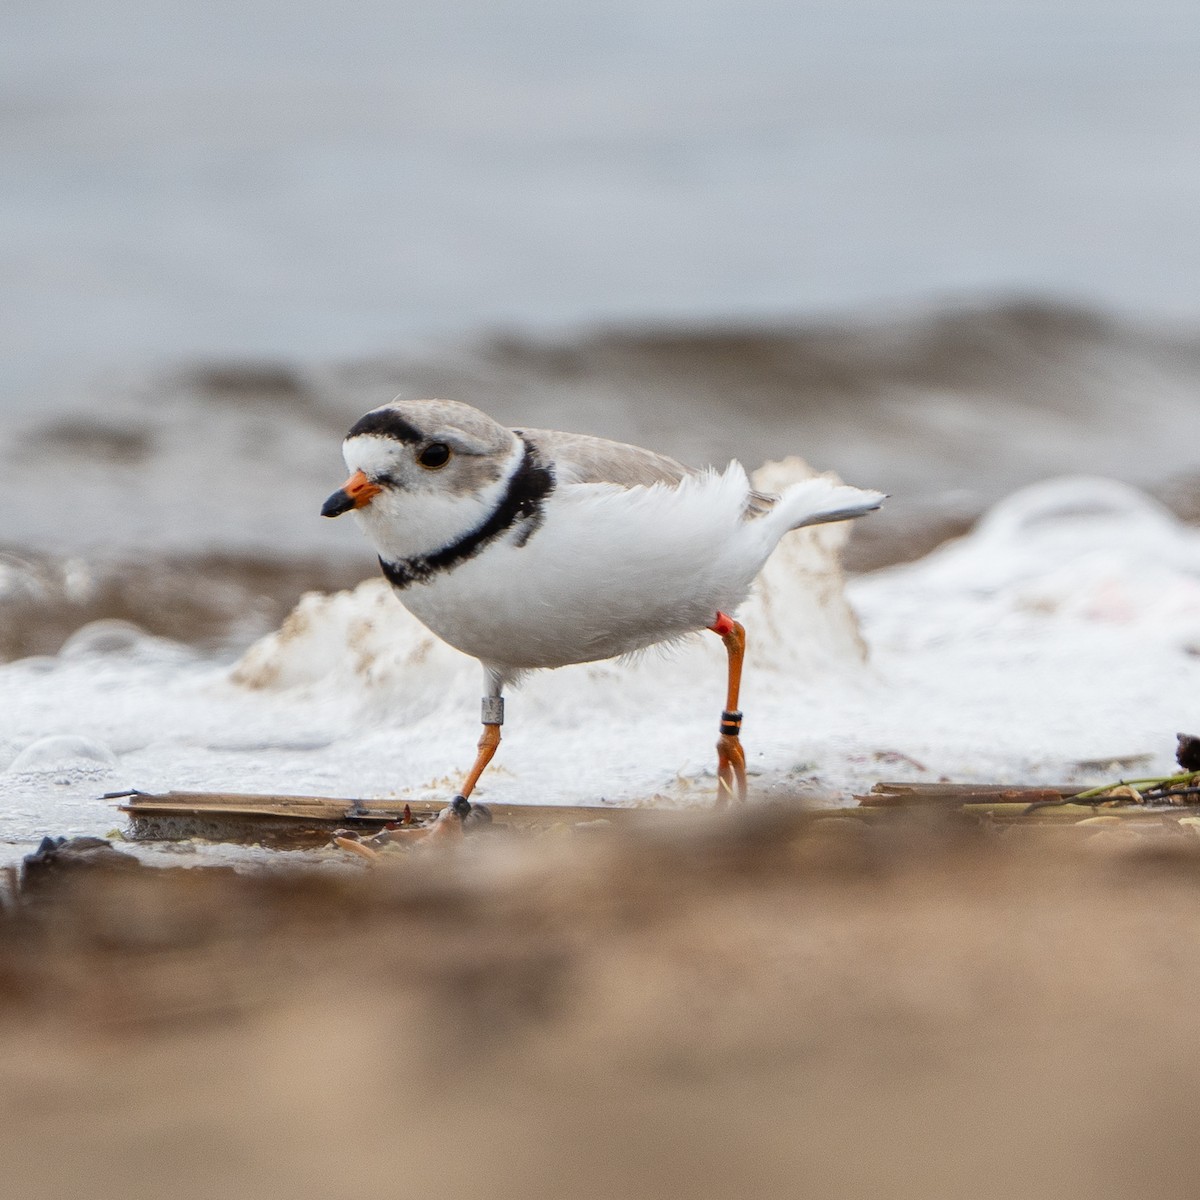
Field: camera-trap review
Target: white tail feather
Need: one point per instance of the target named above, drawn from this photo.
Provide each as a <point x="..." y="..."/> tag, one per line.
<point x="820" y="501"/>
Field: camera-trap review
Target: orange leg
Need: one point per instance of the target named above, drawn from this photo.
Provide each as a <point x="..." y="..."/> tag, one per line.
<point x="731" y="758"/>
<point x="488" y="744"/>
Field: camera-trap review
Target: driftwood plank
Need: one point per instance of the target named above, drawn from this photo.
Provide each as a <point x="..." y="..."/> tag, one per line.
<point x="1010" y="804"/>
<point x="237" y="816"/>
<point x="899" y="795"/>
<point x="286" y="820"/>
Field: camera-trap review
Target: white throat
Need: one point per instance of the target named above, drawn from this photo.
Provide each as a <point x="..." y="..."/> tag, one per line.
<point x="404" y="524"/>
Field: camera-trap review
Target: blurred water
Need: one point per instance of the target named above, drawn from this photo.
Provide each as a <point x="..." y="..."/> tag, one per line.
<point x="218" y="180"/>
<point x="187" y="501"/>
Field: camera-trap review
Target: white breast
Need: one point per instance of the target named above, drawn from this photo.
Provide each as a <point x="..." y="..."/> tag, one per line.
<point x="610" y="570"/>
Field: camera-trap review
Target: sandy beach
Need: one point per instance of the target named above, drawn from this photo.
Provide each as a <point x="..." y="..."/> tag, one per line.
<point x="754" y="1006"/>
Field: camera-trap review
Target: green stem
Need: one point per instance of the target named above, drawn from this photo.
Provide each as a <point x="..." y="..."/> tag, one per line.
<point x="1158" y="781"/>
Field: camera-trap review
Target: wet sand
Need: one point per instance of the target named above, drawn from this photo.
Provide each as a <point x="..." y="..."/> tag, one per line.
<point x="756" y="1007"/>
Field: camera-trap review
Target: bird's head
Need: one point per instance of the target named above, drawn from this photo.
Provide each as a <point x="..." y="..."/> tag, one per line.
<point x="422" y="472"/>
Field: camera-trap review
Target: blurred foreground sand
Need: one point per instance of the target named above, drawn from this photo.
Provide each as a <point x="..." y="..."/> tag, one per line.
<point x="777" y="1005"/>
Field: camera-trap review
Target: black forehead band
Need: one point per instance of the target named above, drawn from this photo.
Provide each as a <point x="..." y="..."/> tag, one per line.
<point x="387" y="422"/>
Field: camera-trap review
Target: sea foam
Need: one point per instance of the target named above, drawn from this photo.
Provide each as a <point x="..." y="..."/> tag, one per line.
<point x="1058" y="637"/>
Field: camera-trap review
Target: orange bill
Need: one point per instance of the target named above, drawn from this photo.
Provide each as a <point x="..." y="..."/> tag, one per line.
<point x="357" y="491"/>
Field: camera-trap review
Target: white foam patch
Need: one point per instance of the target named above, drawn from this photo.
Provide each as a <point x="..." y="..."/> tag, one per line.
<point x="1065" y="629"/>
<point x="61" y="756"/>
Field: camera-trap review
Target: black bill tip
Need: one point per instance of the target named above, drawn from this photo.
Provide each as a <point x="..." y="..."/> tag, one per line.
<point x="337" y="504"/>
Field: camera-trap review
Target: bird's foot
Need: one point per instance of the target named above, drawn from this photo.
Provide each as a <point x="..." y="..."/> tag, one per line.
<point x="471" y="816"/>
<point x="459" y="817"/>
<point x="731" y="770"/>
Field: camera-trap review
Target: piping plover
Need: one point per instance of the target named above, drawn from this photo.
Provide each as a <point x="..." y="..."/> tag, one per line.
<point x="529" y="548"/>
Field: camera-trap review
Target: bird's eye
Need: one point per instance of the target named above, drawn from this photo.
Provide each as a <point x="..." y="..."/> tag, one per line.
<point x="433" y="456"/>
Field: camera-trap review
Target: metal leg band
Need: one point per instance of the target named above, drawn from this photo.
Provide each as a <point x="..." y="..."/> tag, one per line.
<point x="493" y="710"/>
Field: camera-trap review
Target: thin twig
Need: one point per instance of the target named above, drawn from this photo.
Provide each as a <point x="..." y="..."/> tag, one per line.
<point x="1160" y="781"/>
<point x="1160" y="788"/>
<point x="1169" y="793"/>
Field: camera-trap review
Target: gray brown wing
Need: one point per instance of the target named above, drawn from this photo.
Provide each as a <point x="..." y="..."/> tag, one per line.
<point x="581" y="458"/>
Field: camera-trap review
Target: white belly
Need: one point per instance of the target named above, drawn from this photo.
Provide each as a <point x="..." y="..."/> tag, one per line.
<point x="610" y="570"/>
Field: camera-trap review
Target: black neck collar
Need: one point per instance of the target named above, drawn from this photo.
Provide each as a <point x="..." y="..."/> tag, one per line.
<point x="528" y="487"/>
